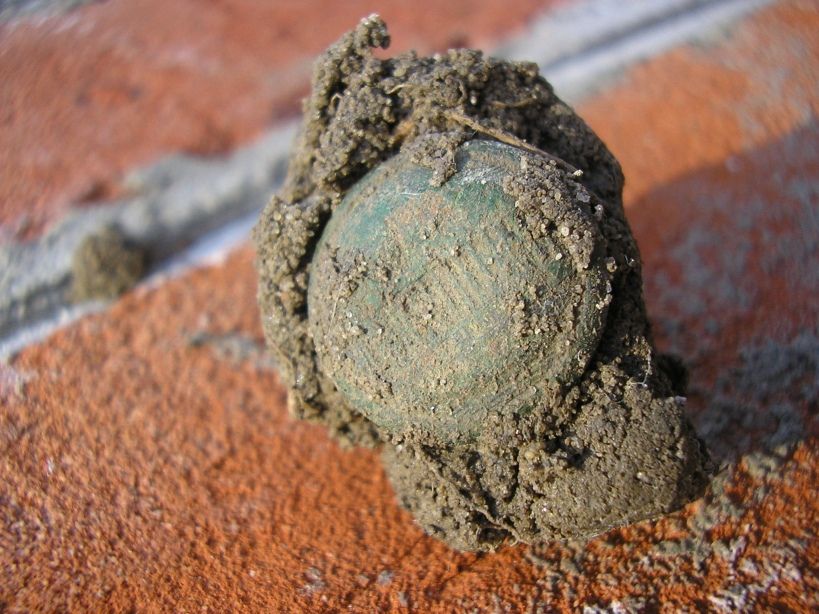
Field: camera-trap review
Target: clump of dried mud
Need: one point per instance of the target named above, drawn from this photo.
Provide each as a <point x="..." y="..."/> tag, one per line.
<point x="448" y="274"/>
<point x="105" y="265"/>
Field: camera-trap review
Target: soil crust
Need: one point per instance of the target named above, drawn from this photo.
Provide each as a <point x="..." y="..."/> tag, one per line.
<point x="448" y="274"/>
<point x="105" y="265"/>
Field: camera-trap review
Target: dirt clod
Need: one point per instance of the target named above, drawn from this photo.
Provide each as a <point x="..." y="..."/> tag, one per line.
<point x="105" y="265"/>
<point x="448" y="274"/>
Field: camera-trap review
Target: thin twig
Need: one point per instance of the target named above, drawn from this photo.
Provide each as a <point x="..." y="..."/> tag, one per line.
<point x="509" y="139"/>
<point x="514" y="105"/>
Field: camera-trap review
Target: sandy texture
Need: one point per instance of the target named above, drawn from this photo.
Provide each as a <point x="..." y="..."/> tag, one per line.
<point x="105" y="265"/>
<point x="333" y="152"/>
<point x="565" y="423"/>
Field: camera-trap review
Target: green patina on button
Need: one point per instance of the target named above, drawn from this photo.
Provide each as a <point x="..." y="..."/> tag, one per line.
<point x="422" y="299"/>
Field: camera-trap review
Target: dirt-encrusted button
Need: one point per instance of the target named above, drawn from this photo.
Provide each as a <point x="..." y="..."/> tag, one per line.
<point x="433" y="306"/>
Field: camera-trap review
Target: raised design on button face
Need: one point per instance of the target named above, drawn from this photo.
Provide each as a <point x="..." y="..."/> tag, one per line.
<point x="431" y="307"/>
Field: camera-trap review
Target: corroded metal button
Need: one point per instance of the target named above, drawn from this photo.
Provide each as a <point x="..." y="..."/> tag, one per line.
<point x="431" y="307"/>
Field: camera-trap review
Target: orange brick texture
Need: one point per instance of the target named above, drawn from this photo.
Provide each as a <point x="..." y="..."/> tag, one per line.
<point x="88" y="96"/>
<point x="144" y="471"/>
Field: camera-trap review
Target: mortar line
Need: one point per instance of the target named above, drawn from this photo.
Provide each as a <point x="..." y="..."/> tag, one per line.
<point x="623" y="32"/>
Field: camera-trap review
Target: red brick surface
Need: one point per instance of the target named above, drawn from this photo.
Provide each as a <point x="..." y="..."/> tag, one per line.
<point x="144" y="472"/>
<point x="88" y="96"/>
<point x="699" y="105"/>
<point x="705" y="134"/>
